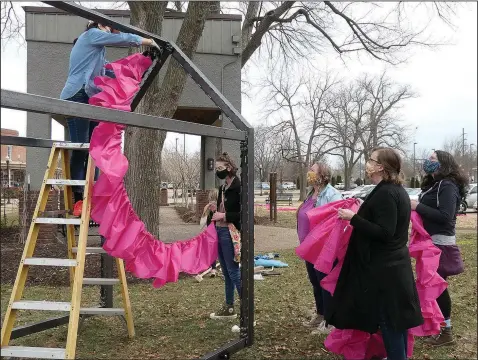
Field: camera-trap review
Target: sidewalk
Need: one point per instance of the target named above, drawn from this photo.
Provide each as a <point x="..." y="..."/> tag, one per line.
<point x="268" y="238"/>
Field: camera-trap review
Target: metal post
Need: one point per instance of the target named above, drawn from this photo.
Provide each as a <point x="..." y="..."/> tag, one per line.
<point x="7" y="160"/>
<point x="274" y="184"/>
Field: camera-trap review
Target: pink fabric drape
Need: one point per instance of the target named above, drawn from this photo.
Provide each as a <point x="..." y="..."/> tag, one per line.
<point x="328" y="240"/>
<point x="126" y="236"/>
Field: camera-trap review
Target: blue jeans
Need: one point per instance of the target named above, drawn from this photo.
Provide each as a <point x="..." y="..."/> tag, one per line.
<point x="80" y="132"/>
<point x="230" y="268"/>
<point x="395" y="341"/>
<point x="322" y="297"/>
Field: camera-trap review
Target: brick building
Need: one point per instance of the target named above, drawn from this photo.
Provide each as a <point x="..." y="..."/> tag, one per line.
<point x="16" y="157"/>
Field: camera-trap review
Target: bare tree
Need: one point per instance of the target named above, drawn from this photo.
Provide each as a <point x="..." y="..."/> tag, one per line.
<point x="12" y="23"/>
<point x="143" y="146"/>
<point x="297" y="29"/>
<point x="266" y="156"/>
<point x="300" y="104"/>
<point x="384" y="99"/>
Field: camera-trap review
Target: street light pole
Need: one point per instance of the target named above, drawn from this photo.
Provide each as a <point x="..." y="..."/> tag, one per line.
<point x="177" y="144"/>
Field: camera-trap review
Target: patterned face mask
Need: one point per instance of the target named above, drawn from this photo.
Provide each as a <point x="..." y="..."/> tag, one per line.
<point x="430" y="166"/>
<point x="311" y="177"/>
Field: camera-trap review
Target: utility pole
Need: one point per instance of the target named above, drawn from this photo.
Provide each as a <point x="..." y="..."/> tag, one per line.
<point x="463" y="143"/>
<point x="177" y="144"/>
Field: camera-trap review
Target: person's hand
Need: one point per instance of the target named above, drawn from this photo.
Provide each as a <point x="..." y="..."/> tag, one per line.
<point x="218" y="216"/>
<point x="414" y="204"/>
<point x="345" y="214"/>
<point x="153" y="44"/>
<point x="212" y="206"/>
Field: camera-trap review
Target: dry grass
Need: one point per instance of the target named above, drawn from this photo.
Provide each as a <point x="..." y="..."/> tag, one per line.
<point x="173" y="323"/>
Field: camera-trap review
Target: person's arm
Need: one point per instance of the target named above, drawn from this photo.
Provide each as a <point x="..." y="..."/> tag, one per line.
<point x="446" y="210"/>
<point x="103" y="38"/>
<point x="384" y="216"/>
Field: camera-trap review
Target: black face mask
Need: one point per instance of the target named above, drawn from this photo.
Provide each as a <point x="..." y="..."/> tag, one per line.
<point x="222" y="174"/>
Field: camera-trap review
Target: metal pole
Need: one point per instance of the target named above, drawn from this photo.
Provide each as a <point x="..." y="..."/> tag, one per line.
<point x="260" y="178"/>
<point x="177" y="144"/>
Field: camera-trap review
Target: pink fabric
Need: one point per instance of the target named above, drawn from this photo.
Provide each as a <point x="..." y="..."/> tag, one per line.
<point x="126" y="236"/>
<point x="328" y="240"/>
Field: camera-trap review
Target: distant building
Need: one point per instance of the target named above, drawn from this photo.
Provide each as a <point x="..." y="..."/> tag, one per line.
<point x="16" y="157"/>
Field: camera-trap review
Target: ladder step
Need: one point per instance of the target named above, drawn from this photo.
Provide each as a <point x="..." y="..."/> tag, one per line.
<point x="58" y="221"/>
<point x="102" y="311"/>
<point x="41" y="305"/>
<point x="33" y="352"/>
<point x="69" y="145"/>
<point x="90" y="250"/>
<point x="66" y="182"/>
<point x="50" y="262"/>
<point x="100" y="281"/>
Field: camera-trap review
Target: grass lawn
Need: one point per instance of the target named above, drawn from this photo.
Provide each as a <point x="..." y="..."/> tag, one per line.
<point x="173" y="323"/>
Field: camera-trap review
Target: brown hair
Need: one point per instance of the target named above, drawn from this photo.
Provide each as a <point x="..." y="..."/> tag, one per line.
<point x="228" y="160"/>
<point x="392" y="164"/>
<point x="324" y="172"/>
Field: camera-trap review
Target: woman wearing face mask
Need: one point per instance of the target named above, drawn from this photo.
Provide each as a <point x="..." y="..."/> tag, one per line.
<point x="376" y="288"/>
<point x="321" y="193"/>
<point x="442" y="191"/>
<point x="227" y="211"/>
<point x="87" y="61"/>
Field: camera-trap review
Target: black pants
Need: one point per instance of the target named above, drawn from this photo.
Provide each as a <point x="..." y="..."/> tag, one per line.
<point x="444" y="303"/>
<point x="322" y="297"/>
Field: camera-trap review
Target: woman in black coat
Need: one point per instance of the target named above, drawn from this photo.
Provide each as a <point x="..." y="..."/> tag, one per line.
<point x="376" y="288"/>
<point x="442" y="191"/>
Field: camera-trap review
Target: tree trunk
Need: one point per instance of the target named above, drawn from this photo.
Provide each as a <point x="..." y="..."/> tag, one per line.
<point x="303" y="182"/>
<point x="142" y="146"/>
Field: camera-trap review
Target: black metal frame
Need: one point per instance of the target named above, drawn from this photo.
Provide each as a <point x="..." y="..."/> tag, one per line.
<point x="244" y="134"/>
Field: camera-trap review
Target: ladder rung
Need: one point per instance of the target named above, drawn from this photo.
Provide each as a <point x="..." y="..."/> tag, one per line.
<point x="102" y="311"/>
<point x="50" y="262"/>
<point x="69" y="145"/>
<point x="41" y="305"/>
<point x="100" y="281"/>
<point x="90" y="250"/>
<point x="58" y="221"/>
<point x="33" y="352"/>
<point x="66" y="182"/>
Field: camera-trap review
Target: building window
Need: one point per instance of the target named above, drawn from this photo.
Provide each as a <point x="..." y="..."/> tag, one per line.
<point x="9" y="152"/>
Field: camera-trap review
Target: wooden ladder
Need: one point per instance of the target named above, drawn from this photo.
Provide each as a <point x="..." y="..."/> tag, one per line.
<point x="75" y="262"/>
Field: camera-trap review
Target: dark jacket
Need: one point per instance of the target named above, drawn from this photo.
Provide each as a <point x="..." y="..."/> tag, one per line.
<point x="232" y="203"/>
<point x="377" y="270"/>
<point x="439" y="206"/>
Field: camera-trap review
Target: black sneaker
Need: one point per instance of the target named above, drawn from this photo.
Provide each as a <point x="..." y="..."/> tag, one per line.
<point x="226" y="312"/>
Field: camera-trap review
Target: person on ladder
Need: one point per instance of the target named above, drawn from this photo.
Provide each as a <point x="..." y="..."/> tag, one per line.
<point x="87" y="61"/>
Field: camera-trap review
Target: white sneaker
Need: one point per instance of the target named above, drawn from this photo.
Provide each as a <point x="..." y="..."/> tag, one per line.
<point x="323" y="329"/>
<point x="314" y="322"/>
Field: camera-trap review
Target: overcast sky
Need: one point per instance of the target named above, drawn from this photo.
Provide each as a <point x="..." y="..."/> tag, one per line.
<point x="445" y="79"/>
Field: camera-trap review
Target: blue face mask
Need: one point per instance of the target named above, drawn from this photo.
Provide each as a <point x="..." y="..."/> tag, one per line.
<point x="430" y="166"/>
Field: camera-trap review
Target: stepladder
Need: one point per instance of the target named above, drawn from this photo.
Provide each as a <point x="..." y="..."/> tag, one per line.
<point x="77" y="251"/>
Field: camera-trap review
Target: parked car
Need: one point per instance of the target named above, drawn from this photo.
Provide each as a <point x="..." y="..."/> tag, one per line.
<point x="265" y="186"/>
<point x="351" y="193"/>
<point x="339" y="186"/>
<point x="413" y="193"/>
<point x="367" y="189"/>
<point x="288" y="185"/>
<point x="470" y="198"/>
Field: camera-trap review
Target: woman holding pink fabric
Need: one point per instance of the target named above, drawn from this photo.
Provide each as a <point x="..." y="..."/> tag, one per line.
<point x="322" y="193"/>
<point x="376" y="287"/>
<point x="443" y="189"/>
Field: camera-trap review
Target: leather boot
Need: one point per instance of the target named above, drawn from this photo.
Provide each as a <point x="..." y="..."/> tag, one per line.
<point x="445" y="338"/>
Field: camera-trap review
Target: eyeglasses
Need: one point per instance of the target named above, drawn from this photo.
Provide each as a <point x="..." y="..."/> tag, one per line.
<point x="375" y="161"/>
